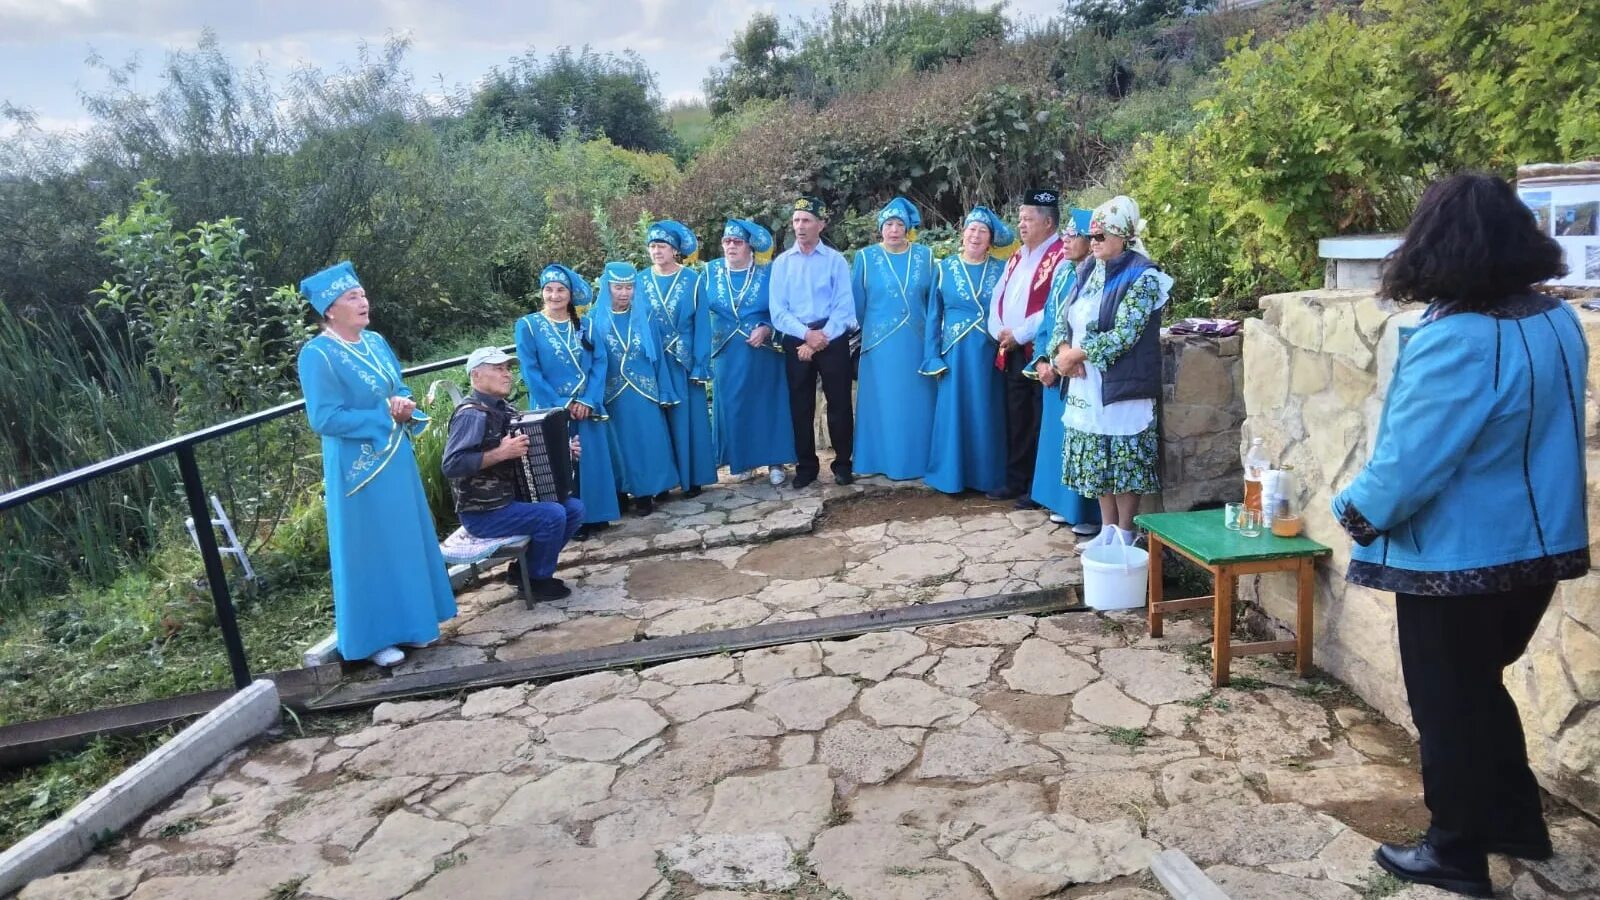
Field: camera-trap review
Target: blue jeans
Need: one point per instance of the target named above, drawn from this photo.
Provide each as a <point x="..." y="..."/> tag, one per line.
<point x="548" y="525"/>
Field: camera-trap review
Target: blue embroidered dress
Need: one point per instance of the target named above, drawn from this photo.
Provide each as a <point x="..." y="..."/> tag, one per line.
<point x="750" y="405"/>
<point x="677" y="303"/>
<point x="969" y="428"/>
<point x="389" y="581"/>
<point x="894" y="403"/>
<point x="1048" y="490"/>
<point x="558" y="369"/>
<point x="637" y="394"/>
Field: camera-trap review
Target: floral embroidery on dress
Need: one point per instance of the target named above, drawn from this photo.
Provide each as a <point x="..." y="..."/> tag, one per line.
<point x="882" y="327"/>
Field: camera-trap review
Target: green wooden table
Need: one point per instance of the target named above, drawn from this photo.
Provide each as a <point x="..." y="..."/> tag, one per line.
<point x="1202" y="538"/>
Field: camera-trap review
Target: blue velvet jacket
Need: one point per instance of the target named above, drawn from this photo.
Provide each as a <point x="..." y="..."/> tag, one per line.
<point x="1476" y="482"/>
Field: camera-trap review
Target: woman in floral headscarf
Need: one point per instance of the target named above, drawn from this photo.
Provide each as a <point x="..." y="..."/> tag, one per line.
<point x="1111" y="351"/>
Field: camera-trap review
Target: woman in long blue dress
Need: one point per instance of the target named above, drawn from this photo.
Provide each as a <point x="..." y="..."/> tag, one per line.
<point x="564" y="366"/>
<point x="390" y="588"/>
<point x="894" y="403"/>
<point x="675" y="294"/>
<point x="638" y="392"/>
<point x="1067" y="506"/>
<point x="969" y="421"/>
<point x="750" y="406"/>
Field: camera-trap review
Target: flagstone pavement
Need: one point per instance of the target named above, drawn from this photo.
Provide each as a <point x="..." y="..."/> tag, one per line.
<point x="1001" y="759"/>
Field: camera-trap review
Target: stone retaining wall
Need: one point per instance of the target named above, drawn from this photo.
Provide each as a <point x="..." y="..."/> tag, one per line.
<point x="1316" y="369"/>
<point x="1201" y="411"/>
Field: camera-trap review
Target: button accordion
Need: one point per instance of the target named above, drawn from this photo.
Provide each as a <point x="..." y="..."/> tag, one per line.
<point x="545" y="474"/>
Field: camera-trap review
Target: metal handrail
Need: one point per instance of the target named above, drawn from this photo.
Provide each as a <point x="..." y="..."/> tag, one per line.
<point x="183" y="448"/>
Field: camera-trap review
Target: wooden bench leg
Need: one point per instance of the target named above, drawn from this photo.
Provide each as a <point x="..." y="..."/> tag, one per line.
<point x="1153" y="601"/>
<point x="1304" y="619"/>
<point x="1222" y="625"/>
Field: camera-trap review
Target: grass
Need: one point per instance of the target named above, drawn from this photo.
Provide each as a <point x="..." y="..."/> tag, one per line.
<point x="1380" y="885"/>
<point x="1128" y="737"/>
<point x="35" y="796"/>
<point x="286" y="890"/>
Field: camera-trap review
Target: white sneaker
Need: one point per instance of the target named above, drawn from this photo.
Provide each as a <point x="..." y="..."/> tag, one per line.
<point x="1099" y="540"/>
<point x="1059" y="519"/>
<point x="1086" y="528"/>
<point x="775" y="475"/>
<point x="388" y="656"/>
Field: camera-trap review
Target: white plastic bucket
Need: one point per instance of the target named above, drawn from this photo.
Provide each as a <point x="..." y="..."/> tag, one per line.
<point x="1114" y="575"/>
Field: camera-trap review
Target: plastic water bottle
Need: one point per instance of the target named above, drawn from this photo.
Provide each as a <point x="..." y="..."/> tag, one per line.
<point x="1255" y="472"/>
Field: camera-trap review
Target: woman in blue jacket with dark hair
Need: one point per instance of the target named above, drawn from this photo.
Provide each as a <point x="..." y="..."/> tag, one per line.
<point x="1471" y="509"/>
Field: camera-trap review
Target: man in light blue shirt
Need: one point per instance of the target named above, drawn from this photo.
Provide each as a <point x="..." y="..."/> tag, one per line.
<point x="814" y="310"/>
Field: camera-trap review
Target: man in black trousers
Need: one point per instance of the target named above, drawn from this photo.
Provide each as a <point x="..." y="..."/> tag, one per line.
<point x="813" y="308"/>
<point x="1016" y="312"/>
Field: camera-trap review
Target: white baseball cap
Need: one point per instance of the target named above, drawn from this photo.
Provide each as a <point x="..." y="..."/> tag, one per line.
<point x="487" y="356"/>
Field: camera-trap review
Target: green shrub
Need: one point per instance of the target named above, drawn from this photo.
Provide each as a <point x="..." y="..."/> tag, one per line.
<point x="1305" y="137"/>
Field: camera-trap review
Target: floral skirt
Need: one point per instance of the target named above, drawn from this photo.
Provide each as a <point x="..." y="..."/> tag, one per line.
<point x="1099" y="464"/>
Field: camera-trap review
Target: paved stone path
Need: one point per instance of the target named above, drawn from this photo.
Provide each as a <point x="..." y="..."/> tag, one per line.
<point x="742" y="554"/>
<point x="1007" y="759"/>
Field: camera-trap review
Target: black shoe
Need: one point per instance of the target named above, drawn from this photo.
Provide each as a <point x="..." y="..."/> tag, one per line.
<point x="1423" y="864"/>
<point x="513" y="573"/>
<point x="1027" y="503"/>
<point x="548" y="589"/>
<point x="643" y="506"/>
<point x="804" y="480"/>
<point x="1538" y="849"/>
<point x="842" y="478"/>
<point x="664" y="496"/>
<point x="693" y="492"/>
<point x="1003" y="494"/>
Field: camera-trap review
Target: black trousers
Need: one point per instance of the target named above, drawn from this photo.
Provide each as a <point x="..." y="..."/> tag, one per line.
<point x="1475" y="775"/>
<point x="833" y="366"/>
<point x="1024" y="402"/>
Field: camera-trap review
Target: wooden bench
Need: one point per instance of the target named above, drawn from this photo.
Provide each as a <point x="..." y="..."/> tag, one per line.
<point x="1202" y="538"/>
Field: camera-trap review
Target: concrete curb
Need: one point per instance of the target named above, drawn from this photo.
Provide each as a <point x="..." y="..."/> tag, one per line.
<point x="174" y="764"/>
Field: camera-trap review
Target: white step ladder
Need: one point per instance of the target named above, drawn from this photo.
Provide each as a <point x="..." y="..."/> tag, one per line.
<point x="233" y="547"/>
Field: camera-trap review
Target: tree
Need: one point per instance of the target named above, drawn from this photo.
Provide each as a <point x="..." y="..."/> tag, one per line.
<point x="758" y="67"/>
<point x="1110" y="17"/>
<point x="852" y="48"/>
<point x="587" y="93"/>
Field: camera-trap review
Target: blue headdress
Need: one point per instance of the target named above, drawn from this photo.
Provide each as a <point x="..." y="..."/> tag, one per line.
<point x="562" y="275"/>
<point x="759" y="238"/>
<point x="902" y="209"/>
<point x="1076" y="222"/>
<point x="321" y="289"/>
<point x="675" y="235"/>
<point x="644" y="334"/>
<point x="1002" y="240"/>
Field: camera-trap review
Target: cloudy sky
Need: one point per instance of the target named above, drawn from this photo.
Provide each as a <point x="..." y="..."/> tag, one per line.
<point x="44" y="43"/>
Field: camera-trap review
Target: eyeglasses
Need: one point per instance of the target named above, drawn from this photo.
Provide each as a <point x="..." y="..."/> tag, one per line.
<point x="1097" y="238"/>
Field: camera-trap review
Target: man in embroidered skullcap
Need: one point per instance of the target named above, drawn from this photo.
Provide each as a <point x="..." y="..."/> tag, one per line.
<point x="390" y="587"/>
<point x="1067" y="506"/>
<point x="676" y="295"/>
<point x="481" y="459"/>
<point x="563" y="367"/>
<point x="894" y="404"/>
<point x="750" y="406"/>
<point x="814" y="309"/>
<point x="969" y="420"/>
<point x="1015" y="314"/>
